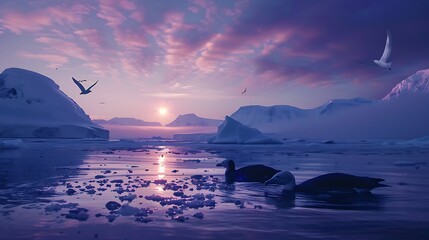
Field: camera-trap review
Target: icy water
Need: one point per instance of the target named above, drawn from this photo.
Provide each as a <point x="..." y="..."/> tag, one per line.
<point x="59" y="190"/>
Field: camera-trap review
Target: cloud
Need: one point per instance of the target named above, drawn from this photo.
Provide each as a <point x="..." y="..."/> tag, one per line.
<point x="92" y="37"/>
<point x="18" y="21"/>
<point x="53" y="60"/>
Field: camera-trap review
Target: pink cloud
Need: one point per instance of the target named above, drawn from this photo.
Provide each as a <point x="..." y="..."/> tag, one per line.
<point x="50" y="58"/>
<point x="19" y="22"/>
<point x="63" y="47"/>
<point x="92" y="37"/>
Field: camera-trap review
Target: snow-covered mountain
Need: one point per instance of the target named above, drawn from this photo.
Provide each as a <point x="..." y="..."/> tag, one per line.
<point x="415" y="84"/>
<point x="126" y="122"/>
<point x="32" y="105"/>
<point x="259" y="116"/>
<point x="193" y="120"/>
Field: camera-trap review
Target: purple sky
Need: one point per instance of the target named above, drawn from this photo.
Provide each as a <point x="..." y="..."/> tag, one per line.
<point x="198" y="56"/>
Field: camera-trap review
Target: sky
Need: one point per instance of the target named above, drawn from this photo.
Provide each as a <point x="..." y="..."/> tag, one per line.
<point x="197" y="56"/>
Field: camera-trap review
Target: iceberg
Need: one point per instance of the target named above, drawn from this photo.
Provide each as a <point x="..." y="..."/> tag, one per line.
<point x="33" y="106"/>
<point x="233" y="132"/>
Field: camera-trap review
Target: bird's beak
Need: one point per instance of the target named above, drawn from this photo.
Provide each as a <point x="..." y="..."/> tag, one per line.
<point x="269" y="182"/>
<point x="219" y="165"/>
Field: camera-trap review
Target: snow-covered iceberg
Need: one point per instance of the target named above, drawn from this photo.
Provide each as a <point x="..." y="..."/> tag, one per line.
<point x="33" y="106"/>
<point x="262" y="116"/>
<point x="233" y="132"/>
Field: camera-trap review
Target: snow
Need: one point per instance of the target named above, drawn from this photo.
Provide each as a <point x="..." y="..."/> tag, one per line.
<point x="233" y="132"/>
<point x="404" y="116"/>
<point x="32" y="105"/>
<point x="260" y="116"/>
<point x="417" y="83"/>
<point x="193" y="120"/>
<point x="126" y="122"/>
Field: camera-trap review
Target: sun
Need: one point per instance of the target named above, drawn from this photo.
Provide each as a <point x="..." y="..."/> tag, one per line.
<point x="163" y="111"/>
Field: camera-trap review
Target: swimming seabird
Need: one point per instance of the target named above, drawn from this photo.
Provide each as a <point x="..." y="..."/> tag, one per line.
<point x="253" y="173"/>
<point x="82" y="89"/>
<point x="331" y="182"/>
<point x="382" y="62"/>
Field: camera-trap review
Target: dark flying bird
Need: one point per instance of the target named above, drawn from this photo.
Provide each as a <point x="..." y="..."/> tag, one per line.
<point x="245" y="90"/>
<point x="331" y="182"/>
<point x="82" y="88"/>
<point x="253" y="173"/>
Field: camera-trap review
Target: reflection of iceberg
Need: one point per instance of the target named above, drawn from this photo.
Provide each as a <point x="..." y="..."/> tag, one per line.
<point x="27" y="175"/>
<point x="233" y="132"/>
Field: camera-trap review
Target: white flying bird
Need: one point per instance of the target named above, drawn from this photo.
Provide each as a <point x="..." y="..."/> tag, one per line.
<point x="82" y="88"/>
<point x="382" y="62"/>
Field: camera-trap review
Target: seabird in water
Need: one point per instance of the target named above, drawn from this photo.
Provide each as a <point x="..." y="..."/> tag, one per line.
<point x="82" y="88"/>
<point x="253" y="173"/>
<point x="331" y="182"/>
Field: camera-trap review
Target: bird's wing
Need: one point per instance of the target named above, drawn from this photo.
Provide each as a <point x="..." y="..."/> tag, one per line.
<point x="78" y="84"/>
<point x="366" y="63"/>
<point x="92" y="85"/>
<point x="387" y="48"/>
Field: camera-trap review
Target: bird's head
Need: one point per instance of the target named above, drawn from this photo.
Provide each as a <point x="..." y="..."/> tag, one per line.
<point x="228" y="164"/>
<point x="285" y="178"/>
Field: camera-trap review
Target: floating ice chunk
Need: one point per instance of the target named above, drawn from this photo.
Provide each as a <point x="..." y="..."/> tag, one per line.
<point x="180" y="218"/>
<point x="57" y="207"/>
<point x="112" y="205"/>
<point x="127" y="210"/>
<point x="70" y="191"/>
<point x="199" y="215"/>
<point x="155" y="198"/>
<point x="130" y="197"/>
<point x="173" y="211"/>
<point x="80" y="214"/>
<point x="143" y="219"/>
<point x="160" y="181"/>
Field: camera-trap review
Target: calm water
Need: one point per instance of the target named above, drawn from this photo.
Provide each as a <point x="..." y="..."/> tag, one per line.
<point x="35" y="178"/>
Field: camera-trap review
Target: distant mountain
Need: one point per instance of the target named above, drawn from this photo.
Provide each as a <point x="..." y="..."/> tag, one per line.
<point x="414" y="84"/>
<point x="257" y="116"/>
<point x="193" y="120"/>
<point x="126" y="122"/>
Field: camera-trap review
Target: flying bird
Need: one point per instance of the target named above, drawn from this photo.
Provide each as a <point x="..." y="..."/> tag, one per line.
<point x="82" y="88"/>
<point x="382" y="62"/>
<point x="245" y="90"/>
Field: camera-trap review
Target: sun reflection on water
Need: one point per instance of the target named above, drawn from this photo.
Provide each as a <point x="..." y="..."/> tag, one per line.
<point x="161" y="167"/>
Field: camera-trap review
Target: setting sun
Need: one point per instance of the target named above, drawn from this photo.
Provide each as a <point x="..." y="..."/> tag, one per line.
<point x="163" y="111"/>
